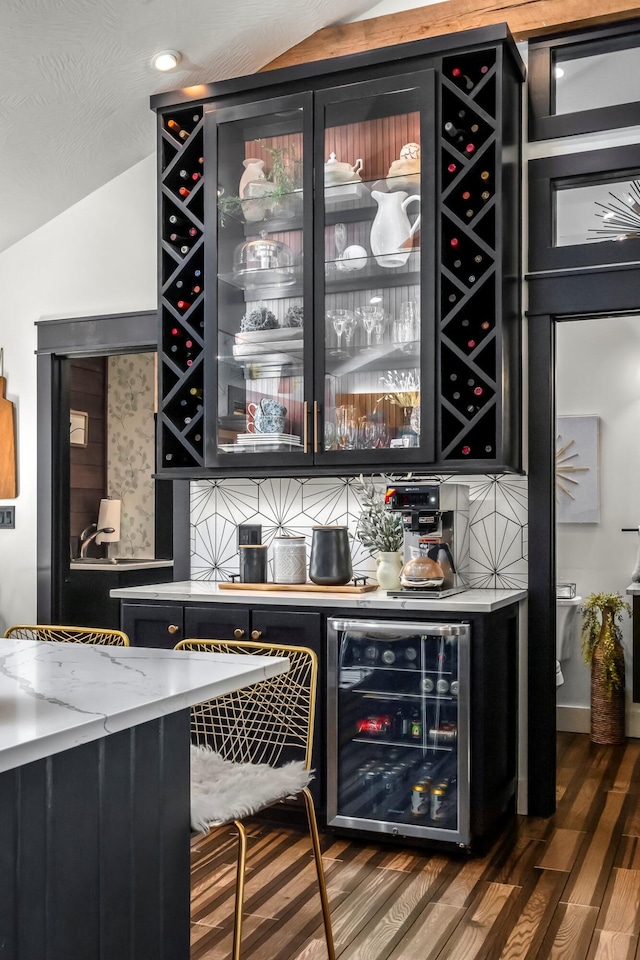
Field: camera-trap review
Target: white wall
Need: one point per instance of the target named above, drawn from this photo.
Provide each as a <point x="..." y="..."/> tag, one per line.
<point x="98" y="257"/>
<point x="598" y="372"/>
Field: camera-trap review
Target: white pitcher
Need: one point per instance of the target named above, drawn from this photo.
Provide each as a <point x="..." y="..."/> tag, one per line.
<point x="391" y="228"/>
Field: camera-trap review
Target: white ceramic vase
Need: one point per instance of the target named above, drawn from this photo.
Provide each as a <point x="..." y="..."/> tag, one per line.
<point x="253" y="170"/>
<point x="388" y="567"/>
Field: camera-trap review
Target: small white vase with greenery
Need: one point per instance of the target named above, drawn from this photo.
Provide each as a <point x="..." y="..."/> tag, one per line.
<point x="381" y="532"/>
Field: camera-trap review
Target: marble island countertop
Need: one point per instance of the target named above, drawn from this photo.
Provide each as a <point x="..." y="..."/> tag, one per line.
<point x="54" y="696"/>
<point x="206" y="591"/>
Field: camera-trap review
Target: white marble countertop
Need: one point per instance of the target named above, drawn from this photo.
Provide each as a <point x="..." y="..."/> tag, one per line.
<point x="54" y="696"/>
<point x="206" y="591"/>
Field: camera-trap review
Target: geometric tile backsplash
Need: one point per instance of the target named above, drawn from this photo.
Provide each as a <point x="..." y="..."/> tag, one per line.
<point x="288" y="505"/>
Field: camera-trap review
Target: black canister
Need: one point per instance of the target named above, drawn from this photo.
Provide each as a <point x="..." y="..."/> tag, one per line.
<point x="253" y="562"/>
<point x="330" y="562"/>
<point x="249" y="533"/>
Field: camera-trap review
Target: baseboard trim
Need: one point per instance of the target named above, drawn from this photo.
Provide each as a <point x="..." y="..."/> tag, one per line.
<point x="573" y="719"/>
<point x="578" y="719"/>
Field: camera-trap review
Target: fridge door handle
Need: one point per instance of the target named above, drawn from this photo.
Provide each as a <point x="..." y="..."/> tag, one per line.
<point x="444" y="629"/>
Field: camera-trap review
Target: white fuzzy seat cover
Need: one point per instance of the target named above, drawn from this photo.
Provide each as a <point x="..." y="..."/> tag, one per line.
<point x="222" y="791"/>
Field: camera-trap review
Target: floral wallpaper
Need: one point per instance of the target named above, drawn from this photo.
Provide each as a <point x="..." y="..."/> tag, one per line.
<point x="497" y="522"/>
<point x="131" y="451"/>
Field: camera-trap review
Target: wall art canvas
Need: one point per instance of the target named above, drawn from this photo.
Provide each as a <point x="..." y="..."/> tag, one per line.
<point x="577" y="470"/>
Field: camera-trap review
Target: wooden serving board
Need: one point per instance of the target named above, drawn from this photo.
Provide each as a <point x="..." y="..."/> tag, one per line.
<point x="302" y="587"/>
<point x="8" y="477"/>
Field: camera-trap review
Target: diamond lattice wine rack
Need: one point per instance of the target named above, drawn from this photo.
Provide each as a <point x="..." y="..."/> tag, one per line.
<point x="468" y="276"/>
<point x="182" y="278"/>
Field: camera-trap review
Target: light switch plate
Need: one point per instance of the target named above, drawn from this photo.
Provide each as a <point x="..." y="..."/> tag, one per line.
<point x="7" y="518"/>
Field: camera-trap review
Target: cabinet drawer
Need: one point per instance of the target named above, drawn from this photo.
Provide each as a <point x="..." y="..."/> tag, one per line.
<point x="152" y="626"/>
<point x="216" y="622"/>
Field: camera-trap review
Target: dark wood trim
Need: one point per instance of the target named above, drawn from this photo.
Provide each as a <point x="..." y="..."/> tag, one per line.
<point x="92" y="336"/>
<point x="541" y="666"/>
<point x="582" y="295"/>
<point x="544" y="123"/>
<point x="576" y="170"/>
<point x="58" y="340"/>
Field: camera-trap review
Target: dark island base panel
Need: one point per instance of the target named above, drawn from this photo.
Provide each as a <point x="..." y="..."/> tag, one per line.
<point x="94" y="849"/>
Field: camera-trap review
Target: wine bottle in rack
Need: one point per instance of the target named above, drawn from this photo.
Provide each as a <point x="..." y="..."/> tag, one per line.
<point x="184" y="191"/>
<point x="177" y="130"/>
<point x="189" y="174"/>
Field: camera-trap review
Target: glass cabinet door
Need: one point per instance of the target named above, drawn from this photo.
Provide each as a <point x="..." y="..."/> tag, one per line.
<point x="260" y="377"/>
<point x="374" y="301"/>
<point x="401" y="716"/>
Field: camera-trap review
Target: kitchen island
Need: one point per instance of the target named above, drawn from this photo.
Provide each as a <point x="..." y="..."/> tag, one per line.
<point x="94" y="796"/>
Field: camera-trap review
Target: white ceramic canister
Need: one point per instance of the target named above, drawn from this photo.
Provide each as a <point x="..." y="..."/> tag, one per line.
<point x="289" y="560"/>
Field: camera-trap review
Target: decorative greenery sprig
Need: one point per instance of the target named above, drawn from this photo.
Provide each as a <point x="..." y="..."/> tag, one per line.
<point x="379" y="530"/>
<point x="592" y="620"/>
<point x="282" y="177"/>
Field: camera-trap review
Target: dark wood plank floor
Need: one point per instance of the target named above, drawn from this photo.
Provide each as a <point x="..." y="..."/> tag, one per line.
<point x="566" y="888"/>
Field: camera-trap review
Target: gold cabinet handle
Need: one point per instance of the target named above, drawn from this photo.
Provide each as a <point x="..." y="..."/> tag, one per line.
<point x="238" y="633"/>
<point x="256" y="634"/>
<point x="172" y="628"/>
<point x="315" y="426"/>
<point x="305" y="427"/>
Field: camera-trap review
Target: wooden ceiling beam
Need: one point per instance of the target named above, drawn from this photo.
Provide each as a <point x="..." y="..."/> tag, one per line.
<point x="526" y="18"/>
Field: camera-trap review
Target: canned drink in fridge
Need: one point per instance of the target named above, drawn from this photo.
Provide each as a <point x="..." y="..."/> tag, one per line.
<point x="420" y="799"/>
<point x="455" y="686"/>
<point x="438" y="794"/>
<point x="442" y="686"/>
<point x="416" y="729"/>
<point x="427" y="685"/>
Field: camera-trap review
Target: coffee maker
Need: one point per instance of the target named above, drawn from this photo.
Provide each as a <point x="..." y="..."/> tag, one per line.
<point x="435" y="517"/>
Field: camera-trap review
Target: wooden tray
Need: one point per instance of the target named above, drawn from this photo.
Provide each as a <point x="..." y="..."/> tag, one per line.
<point x="303" y="587"/>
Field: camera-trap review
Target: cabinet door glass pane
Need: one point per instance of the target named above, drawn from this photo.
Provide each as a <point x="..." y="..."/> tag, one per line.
<point x="372" y="302"/>
<point x="398" y="719"/>
<point x="599" y="80"/>
<point x="260" y="313"/>
<point x="609" y="210"/>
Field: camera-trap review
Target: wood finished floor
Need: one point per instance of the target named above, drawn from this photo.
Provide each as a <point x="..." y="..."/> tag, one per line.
<point x="566" y="888"/>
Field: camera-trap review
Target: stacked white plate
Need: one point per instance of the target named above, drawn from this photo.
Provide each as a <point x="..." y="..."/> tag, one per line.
<point x="258" y="438"/>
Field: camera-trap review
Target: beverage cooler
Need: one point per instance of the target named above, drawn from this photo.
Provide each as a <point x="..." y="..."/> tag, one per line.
<point x="398" y="728"/>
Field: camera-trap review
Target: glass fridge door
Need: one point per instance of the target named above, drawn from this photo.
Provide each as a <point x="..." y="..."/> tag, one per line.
<point x="398" y="699"/>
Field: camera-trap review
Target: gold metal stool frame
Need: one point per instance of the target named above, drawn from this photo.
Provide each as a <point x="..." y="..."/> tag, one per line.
<point x="96" y="635"/>
<point x="272" y="715"/>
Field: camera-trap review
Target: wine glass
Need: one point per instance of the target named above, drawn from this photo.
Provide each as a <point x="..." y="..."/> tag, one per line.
<point x="339" y="319"/>
<point x="379" y="325"/>
<point x="369" y="316"/>
<point x="350" y="325"/>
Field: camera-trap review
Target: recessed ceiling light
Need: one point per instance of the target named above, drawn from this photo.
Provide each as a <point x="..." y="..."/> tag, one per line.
<point x="166" y="60"/>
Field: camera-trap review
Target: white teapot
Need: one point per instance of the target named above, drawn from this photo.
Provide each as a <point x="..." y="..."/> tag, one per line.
<point x="337" y="172"/>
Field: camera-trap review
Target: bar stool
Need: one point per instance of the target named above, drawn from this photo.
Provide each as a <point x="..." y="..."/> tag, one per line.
<point x="242" y="750"/>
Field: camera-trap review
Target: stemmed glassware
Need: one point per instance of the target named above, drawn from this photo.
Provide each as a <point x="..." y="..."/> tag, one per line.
<point x="370" y="315"/>
<point x="341" y="321"/>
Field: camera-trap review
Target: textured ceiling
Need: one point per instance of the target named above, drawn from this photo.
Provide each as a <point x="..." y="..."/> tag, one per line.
<point x="75" y="82"/>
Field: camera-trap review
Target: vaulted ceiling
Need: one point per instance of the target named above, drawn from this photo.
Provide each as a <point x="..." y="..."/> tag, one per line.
<point x="76" y="77"/>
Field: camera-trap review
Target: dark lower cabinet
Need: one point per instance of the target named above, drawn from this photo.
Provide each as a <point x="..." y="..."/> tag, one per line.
<point x="163" y="625"/>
